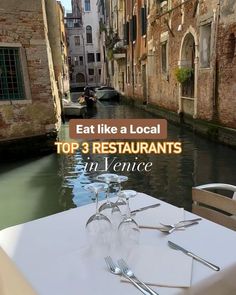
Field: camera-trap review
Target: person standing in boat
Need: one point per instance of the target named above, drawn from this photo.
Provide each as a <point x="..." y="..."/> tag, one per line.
<point x="88" y="96"/>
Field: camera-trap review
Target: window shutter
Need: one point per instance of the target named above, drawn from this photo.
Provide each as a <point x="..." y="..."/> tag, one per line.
<point x="144" y="20"/>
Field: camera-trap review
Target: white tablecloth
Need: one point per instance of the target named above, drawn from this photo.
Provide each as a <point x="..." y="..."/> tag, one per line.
<point x="53" y="255"/>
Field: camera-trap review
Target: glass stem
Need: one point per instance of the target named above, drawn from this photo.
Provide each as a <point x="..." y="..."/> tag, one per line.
<point x="119" y="190"/>
<point x="128" y="213"/>
<point x="96" y="195"/>
<point x="108" y="194"/>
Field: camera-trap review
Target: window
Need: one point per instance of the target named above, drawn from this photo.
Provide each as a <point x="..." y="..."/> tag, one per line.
<point x="90" y="57"/>
<point x="69" y="24"/>
<point x="81" y="60"/>
<point x="91" y="72"/>
<point x="164" y="59"/>
<point x="77" y="40"/>
<point x="205" y="46"/>
<point x="87" y="5"/>
<point x="89" y="34"/>
<point x="76" y="61"/>
<point x="98" y="57"/>
<point x="99" y="72"/>
<point x="11" y="77"/>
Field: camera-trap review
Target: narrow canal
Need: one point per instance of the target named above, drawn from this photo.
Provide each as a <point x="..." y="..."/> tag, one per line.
<point x="30" y="189"/>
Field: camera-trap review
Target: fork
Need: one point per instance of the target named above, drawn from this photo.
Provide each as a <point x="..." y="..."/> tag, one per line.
<point x="168" y="229"/>
<point x="181" y="223"/>
<point x="114" y="269"/>
<point x="129" y="273"/>
<point x="176" y="226"/>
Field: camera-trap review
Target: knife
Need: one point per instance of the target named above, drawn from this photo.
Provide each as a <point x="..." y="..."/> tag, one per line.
<point x="177" y="247"/>
<point x="145" y="208"/>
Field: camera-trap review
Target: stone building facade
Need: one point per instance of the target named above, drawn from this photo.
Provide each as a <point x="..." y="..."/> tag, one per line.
<point x="84" y="48"/>
<point x="180" y="58"/>
<point x="30" y="107"/>
<point x="194" y="35"/>
<point x="58" y="43"/>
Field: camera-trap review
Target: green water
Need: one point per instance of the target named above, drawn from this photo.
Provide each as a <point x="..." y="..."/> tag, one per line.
<point x="39" y="187"/>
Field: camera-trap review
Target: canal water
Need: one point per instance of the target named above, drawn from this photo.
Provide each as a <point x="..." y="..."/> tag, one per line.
<point x="34" y="188"/>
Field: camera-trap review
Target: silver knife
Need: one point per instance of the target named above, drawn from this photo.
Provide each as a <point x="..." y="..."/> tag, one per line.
<point x="177" y="247"/>
<point x="145" y="208"/>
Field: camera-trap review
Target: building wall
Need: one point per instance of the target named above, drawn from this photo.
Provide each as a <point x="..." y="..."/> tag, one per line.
<point x="58" y="44"/>
<point x="88" y="18"/>
<point x="214" y="89"/>
<point x="24" y="25"/>
<point x="226" y="71"/>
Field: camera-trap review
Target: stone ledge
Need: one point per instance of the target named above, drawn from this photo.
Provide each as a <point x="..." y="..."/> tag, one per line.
<point x="209" y="130"/>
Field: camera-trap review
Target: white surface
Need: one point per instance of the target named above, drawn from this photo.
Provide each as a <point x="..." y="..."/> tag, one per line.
<point x="161" y="266"/>
<point x="53" y="254"/>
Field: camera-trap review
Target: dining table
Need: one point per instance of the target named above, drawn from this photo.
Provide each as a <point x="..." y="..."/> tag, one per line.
<point x="55" y="256"/>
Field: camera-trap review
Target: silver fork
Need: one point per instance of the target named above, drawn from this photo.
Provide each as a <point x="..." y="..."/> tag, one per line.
<point x="181" y="223"/>
<point x="168" y="229"/>
<point x="129" y="273"/>
<point x="114" y="269"/>
<point x="175" y="227"/>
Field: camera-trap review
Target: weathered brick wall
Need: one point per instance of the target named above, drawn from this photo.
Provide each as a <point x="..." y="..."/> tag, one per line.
<point x="23" y="22"/>
<point x="164" y="91"/>
<point x="226" y="95"/>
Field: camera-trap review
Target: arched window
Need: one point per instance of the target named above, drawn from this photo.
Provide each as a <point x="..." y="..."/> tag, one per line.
<point x="89" y="34"/>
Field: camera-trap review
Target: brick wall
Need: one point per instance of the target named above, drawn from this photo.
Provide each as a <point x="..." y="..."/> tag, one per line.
<point x="215" y="87"/>
<point x="24" y="23"/>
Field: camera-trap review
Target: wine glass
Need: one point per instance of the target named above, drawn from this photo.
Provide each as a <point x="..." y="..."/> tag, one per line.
<point x="120" y="203"/>
<point x="98" y="225"/>
<point x="128" y="229"/>
<point x="107" y="207"/>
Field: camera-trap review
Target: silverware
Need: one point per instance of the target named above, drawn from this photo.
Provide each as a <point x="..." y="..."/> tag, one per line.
<point x="129" y="273"/>
<point x="182" y="222"/>
<point x="205" y="262"/>
<point x="168" y="230"/>
<point x="145" y="208"/>
<point x="114" y="269"/>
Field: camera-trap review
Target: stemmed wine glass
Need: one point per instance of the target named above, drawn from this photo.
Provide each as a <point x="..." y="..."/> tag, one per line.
<point x="108" y="178"/>
<point x="120" y="203"/>
<point x="98" y="225"/>
<point x="128" y="229"/>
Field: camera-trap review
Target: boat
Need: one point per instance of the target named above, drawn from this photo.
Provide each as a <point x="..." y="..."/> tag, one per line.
<point x="73" y="109"/>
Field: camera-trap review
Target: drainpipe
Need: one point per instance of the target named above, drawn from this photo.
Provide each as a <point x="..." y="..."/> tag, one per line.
<point x="132" y="53"/>
<point x="215" y="62"/>
<point x="85" y="62"/>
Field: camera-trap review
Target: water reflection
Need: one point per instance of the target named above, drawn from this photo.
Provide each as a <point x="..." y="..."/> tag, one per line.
<point x="39" y="187"/>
